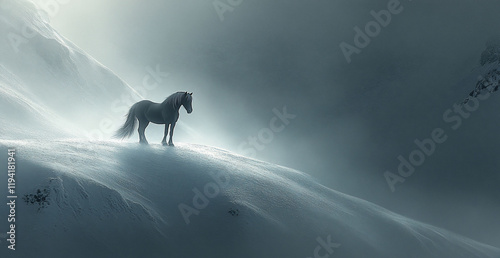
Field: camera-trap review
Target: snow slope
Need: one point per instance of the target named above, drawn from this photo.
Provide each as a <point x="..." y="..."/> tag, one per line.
<point x="38" y="65"/>
<point x="122" y="200"/>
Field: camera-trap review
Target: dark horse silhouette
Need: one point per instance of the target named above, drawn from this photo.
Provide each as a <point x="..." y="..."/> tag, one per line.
<point x="146" y="111"/>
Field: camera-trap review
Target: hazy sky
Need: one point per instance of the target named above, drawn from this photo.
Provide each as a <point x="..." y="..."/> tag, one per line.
<point x="351" y="120"/>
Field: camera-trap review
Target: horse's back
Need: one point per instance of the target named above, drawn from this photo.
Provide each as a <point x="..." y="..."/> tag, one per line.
<point x="140" y="108"/>
<point x="143" y="103"/>
<point x="158" y="113"/>
<point x="150" y="111"/>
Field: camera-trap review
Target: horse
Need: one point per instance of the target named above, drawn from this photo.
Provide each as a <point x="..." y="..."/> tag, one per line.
<point x="146" y="111"/>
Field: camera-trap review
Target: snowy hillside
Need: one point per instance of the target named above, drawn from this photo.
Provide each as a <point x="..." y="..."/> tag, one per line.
<point x="40" y="66"/>
<point x="126" y="200"/>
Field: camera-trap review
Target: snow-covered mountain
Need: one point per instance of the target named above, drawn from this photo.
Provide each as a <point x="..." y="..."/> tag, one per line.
<point x="109" y="199"/>
<point x="80" y="198"/>
<point x="38" y="65"/>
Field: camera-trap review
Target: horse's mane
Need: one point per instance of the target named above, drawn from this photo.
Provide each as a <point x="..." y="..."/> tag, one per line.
<point x="175" y="99"/>
<point x="175" y="94"/>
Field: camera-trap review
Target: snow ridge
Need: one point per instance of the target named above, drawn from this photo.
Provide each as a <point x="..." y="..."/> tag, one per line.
<point x="125" y="200"/>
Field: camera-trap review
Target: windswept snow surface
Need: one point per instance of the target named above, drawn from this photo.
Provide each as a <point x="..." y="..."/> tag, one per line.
<point x="38" y="65"/>
<point x="123" y="200"/>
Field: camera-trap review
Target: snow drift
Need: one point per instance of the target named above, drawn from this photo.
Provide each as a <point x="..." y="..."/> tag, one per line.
<point x="126" y="200"/>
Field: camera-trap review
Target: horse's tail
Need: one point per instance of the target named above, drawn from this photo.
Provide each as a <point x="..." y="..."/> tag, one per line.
<point x="128" y="128"/>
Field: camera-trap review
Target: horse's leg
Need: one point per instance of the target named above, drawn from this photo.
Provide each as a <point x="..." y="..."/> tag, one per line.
<point x="164" y="141"/>
<point x="172" y="126"/>
<point x="142" y="128"/>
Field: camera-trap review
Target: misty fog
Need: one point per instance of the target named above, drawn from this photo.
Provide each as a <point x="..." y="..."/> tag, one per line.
<point x="348" y="121"/>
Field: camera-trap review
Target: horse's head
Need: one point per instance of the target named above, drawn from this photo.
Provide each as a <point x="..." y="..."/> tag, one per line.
<point x="187" y="102"/>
